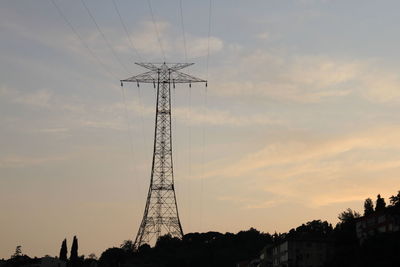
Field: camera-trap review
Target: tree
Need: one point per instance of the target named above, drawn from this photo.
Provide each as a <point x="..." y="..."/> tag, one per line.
<point x="74" y="249"/>
<point x="395" y="200"/>
<point x="127" y="245"/>
<point x="167" y="241"/>
<point x="380" y="203"/>
<point x="348" y="216"/>
<point x="368" y="207"/>
<point x="17" y="253"/>
<point x="92" y="256"/>
<point x="114" y="257"/>
<point x="64" y="250"/>
<point x="316" y="228"/>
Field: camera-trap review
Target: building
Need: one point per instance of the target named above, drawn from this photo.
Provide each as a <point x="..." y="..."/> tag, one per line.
<point x="47" y="261"/>
<point x="251" y="263"/>
<point x="384" y="221"/>
<point x="297" y="252"/>
<point x="266" y="256"/>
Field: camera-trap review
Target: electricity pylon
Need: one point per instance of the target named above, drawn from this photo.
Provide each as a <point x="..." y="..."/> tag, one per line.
<point x="161" y="211"/>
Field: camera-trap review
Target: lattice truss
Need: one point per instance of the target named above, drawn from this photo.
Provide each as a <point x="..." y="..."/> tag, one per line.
<point x="161" y="211"/>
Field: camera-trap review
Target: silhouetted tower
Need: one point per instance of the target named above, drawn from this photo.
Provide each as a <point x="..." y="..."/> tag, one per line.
<point x="161" y="211"/>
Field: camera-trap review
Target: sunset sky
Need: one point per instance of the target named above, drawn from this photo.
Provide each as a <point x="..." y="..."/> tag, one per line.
<point x="300" y="119"/>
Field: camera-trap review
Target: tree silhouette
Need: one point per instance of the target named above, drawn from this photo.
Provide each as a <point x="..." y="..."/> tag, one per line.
<point x="395" y="200"/>
<point x="18" y="252"/>
<point x="368" y="207"/>
<point x="113" y="257"/>
<point x="348" y="216"/>
<point x="380" y="203"/>
<point x="92" y="256"/>
<point x="127" y="245"/>
<point x="74" y="249"/>
<point x="64" y="250"/>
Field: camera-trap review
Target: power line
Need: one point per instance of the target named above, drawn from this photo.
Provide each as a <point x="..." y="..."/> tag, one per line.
<point x="205" y="108"/>
<point x="189" y="154"/>
<point x="130" y="136"/>
<point x="80" y="39"/>
<point x="156" y="29"/>
<point x="183" y="29"/>
<point x="126" y="31"/>
<point x="141" y="105"/>
<point x="135" y="50"/>
<point x="188" y="115"/>
<point x="209" y="33"/>
<point x="104" y="37"/>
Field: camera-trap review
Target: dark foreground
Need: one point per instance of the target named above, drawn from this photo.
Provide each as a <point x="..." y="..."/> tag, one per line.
<point x="371" y="240"/>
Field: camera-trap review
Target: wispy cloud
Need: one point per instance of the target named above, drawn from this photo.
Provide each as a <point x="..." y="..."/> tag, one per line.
<point x="306" y="78"/>
<point x="199" y="115"/>
<point x="16" y="161"/>
<point x="53" y="130"/>
<point x="203" y="116"/>
<point x="40" y="98"/>
<point x="294" y="78"/>
<point x="170" y="41"/>
<point x="328" y="170"/>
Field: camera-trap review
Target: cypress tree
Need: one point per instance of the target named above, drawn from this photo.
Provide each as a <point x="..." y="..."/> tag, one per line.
<point x="64" y="250"/>
<point x="368" y="207"/>
<point x="74" y="249"/>
<point x="380" y="203"/>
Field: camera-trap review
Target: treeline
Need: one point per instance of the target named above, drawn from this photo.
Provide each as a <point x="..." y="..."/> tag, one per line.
<point x="217" y="249"/>
<point x="194" y="249"/>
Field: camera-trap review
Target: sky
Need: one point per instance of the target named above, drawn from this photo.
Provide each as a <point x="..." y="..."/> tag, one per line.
<point x="299" y="120"/>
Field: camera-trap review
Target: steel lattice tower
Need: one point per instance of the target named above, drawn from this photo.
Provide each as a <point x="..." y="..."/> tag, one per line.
<point x="161" y="210"/>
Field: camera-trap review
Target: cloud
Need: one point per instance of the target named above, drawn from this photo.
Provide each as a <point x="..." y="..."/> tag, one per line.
<point x="380" y="86"/>
<point x="170" y="41"/>
<point x="16" y="161"/>
<point x="292" y="78"/>
<point x="198" y="115"/>
<point x="263" y="36"/>
<point x="283" y="76"/>
<point x="113" y="115"/>
<point x="201" y="116"/>
<point x="249" y="202"/>
<point x="40" y="98"/>
<point x="54" y="130"/>
<point x="318" y="172"/>
<point x="200" y="46"/>
<point x="66" y="114"/>
<point x="147" y="41"/>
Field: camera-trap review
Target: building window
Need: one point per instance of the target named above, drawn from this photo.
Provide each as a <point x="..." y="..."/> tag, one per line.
<point x="382" y="229"/>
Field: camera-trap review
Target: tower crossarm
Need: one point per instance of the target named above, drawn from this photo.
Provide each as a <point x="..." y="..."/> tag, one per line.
<point x="157" y="66"/>
<point x="164" y="72"/>
<point x="180" y="77"/>
<point x="146" y="77"/>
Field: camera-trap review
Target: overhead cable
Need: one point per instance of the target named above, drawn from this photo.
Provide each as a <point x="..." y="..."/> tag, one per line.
<point x="205" y="108"/>
<point x="183" y="30"/>
<point x="209" y="34"/>
<point x="81" y="40"/>
<point x="133" y="47"/>
<point x="156" y="29"/>
<point x="104" y="37"/>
